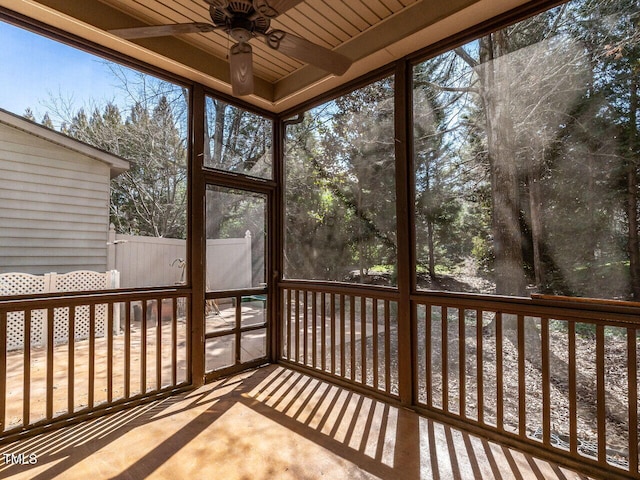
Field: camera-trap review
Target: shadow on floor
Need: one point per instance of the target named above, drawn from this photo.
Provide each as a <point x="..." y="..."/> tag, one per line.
<point x="270" y="423"/>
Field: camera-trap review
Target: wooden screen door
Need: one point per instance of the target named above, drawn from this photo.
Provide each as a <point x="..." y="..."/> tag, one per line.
<point x="237" y="302"/>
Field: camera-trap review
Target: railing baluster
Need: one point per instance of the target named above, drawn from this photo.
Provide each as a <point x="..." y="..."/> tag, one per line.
<point x="546" y="382"/>
<point x="297" y="327"/>
<point x="238" y="336"/>
<point x="374" y="323"/>
<point x="305" y="329"/>
<point x="462" y="363"/>
<point x="363" y="338"/>
<point x="159" y="345"/>
<point x="333" y="333"/>
<point x="3" y="369"/>
<point x="71" y="359"/>
<point x="50" y="346"/>
<point x="600" y="387"/>
<point x="143" y="348"/>
<point x="342" y="336"/>
<point x="92" y="355"/>
<point x="174" y="343"/>
<point x="189" y="341"/>
<point x="109" y="334"/>
<point x="287" y="322"/>
<point x="26" y="405"/>
<point x="522" y="387"/>
<point x="444" y="348"/>
<point x="127" y="350"/>
<point x="352" y="336"/>
<point x="314" y="327"/>
<point x="573" y="400"/>
<point x="499" y="374"/>
<point x="480" y="364"/>
<point x="632" y="373"/>
<point x="428" y="355"/>
<point x="387" y="346"/>
<point x="323" y="332"/>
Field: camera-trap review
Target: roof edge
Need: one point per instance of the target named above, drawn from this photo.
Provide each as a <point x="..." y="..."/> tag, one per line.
<point x="116" y="164"/>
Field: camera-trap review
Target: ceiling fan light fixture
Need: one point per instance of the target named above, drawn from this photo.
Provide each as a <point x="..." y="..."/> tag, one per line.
<point x="241" y="66"/>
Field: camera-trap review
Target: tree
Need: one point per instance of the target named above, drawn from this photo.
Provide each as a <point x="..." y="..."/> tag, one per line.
<point x="340" y="190"/>
<point x="28" y="114"/>
<point x="614" y="49"/>
<point x="150" y="198"/>
<point x="237" y="141"/>
<point x="46" y="121"/>
<point x="441" y="221"/>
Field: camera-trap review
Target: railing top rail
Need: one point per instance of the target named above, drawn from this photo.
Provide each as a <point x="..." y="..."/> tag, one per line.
<point x="245" y="292"/>
<point x="93" y="297"/>
<point x="376" y="291"/>
<point x="547" y="306"/>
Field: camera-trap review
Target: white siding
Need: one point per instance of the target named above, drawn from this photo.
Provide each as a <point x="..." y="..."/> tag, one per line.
<point x="55" y="206"/>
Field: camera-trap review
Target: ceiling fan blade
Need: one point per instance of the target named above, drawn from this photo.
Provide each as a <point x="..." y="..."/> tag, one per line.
<point x="308" y="52"/>
<point x="241" y="67"/>
<point x="273" y="8"/>
<point x="162" y="30"/>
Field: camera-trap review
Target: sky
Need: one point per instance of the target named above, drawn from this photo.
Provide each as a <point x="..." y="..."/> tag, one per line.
<point x="34" y="69"/>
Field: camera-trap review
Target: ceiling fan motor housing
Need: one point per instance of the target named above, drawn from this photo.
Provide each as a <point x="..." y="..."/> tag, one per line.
<point x="238" y="17"/>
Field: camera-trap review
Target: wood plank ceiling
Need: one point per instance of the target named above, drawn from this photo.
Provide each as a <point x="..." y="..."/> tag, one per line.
<point x="372" y="33"/>
<point x="327" y="23"/>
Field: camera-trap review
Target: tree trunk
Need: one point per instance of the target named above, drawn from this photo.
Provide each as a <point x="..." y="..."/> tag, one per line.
<point x="432" y="256"/>
<point x="633" y="243"/>
<point x="495" y="93"/>
<point x="535" y="207"/>
<point x="218" y="134"/>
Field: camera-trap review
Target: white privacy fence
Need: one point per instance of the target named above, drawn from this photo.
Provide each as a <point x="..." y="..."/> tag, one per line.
<point x="145" y="261"/>
<point x="132" y="261"/>
<point x="153" y="261"/>
<point x="17" y="283"/>
<point x="229" y="263"/>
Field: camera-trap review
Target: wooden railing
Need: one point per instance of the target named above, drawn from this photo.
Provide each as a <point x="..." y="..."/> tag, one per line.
<point x="73" y="374"/>
<point x="555" y="376"/>
<point x="342" y="332"/>
<point x="551" y="373"/>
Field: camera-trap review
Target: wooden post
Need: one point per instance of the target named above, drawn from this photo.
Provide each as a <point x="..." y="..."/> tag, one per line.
<point x="406" y="350"/>
<point x="196" y="238"/>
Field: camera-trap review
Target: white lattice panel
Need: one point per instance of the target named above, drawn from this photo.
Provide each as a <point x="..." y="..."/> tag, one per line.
<point x="80" y="280"/>
<point x="81" y="326"/>
<point x="24" y="284"/>
<point x="15" y="329"/>
<point x="83" y="280"/>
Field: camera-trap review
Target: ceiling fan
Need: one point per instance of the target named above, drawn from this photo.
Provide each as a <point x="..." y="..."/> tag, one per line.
<point x="243" y="20"/>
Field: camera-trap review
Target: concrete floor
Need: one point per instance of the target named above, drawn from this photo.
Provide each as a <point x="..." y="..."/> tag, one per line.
<point x="220" y="352"/>
<point x="269" y="423"/>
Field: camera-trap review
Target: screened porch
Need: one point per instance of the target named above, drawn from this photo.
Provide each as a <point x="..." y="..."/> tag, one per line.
<point x="427" y="266"/>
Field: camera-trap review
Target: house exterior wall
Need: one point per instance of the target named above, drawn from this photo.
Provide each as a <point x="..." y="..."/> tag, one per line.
<point x="54" y="202"/>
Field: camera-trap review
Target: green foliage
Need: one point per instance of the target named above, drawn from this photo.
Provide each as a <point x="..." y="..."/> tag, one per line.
<point x="340" y="189"/>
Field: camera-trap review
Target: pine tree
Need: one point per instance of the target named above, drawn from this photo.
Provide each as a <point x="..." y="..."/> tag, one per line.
<point x="28" y="114"/>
